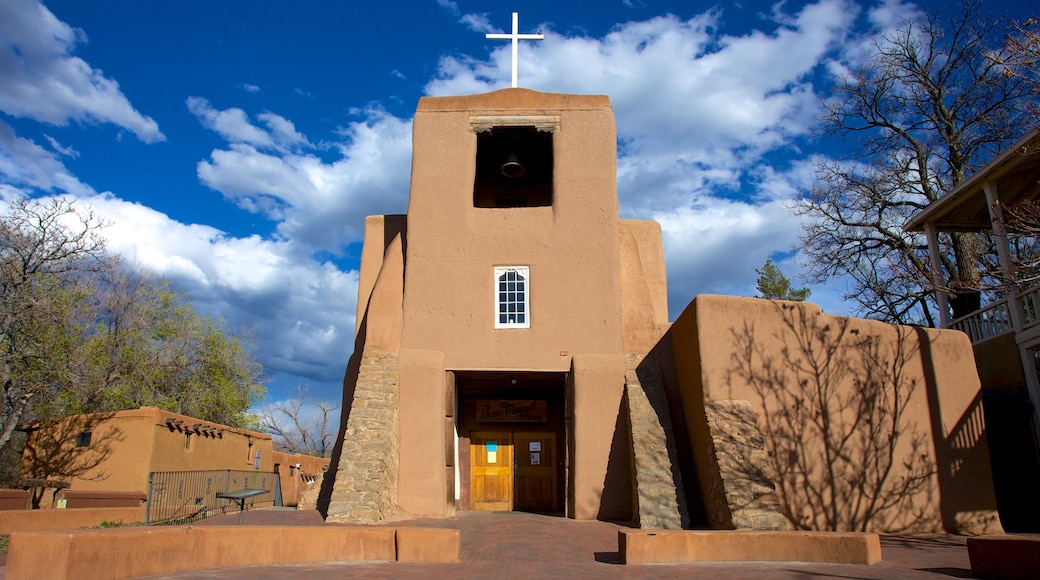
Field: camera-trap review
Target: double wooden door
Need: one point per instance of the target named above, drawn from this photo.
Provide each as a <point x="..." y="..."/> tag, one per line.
<point x="513" y="471"/>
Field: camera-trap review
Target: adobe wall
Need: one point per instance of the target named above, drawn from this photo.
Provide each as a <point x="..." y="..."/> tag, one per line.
<point x="999" y="364"/>
<point x="644" y="285"/>
<point x="115" y="460"/>
<point x="571" y="247"/>
<point x="380" y="232"/>
<point x="170" y="549"/>
<point x="423" y="488"/>
<point x="805" y="372"/>
<point x="364" y="471"/>
<point x="126" y="445"/>
<point x="67" y="519"/>
<point x="598" y="383"/>
<point x="296" y="481"/>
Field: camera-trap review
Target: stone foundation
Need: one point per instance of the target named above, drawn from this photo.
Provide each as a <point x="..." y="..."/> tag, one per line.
<point x="365" y="490"/>
<point x="659" y="500"/>
<point x="741" y="465"/>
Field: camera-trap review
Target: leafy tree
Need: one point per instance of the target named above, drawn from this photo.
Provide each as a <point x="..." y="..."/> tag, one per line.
<point x="298" y="427"/>
<point x="927" y="107"/>
<point x="79" y="333"/>
<point x="772" y="284"/>
<point x="44" y="246"/>
<point x="148" y="345"/>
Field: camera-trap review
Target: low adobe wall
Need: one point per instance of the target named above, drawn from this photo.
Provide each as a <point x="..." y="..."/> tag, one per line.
<point x="66" y="519"/>
<point x="14" y="499"/>
<point x="98" y="554"/>
<point x="1011" y="557"/>
<point x="77" y="499"/>
<point x="679" y="546"/>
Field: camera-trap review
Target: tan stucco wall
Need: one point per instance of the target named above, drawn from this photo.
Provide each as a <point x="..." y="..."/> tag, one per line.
<point x="999" y="364"/>
<point x="644" y="286"/>
<point x="297" y="481"/>
<point x="383" y="314"/>
<point x="161" y="551"/>
<point x="380" y="231"/>
<point x="752" y="349"/>
<point x="127" y="445"/>
<point x="67" y="519"/>
<point x="423" y="486"/>
<point x="570" y="247"/>
<point x="598" y="385"/>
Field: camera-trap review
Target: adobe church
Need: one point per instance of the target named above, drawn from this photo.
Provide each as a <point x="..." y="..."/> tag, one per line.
<point x="513" y="352"/>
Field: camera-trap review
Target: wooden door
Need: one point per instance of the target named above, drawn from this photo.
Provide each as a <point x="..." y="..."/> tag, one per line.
<point x="491" y="471"/>
<point x="536" y="472"/>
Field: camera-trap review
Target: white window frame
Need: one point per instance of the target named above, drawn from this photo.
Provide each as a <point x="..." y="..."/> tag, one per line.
<point x="525" y="273"/>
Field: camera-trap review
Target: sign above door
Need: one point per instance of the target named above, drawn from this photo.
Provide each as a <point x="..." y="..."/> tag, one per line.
<point x="511" y="411"/>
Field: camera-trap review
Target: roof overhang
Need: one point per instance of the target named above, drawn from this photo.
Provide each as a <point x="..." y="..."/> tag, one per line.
<point x="1016" y="175"/>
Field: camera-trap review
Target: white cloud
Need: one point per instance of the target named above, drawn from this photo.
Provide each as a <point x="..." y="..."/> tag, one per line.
<point x="301" y="310"/>
<point x="714" y="245"/>
<point x="701" y="117"/>
<point x="25" y="164"/>
<point x="474" y="22"/>
<point x="43" y="81"/>
<point x="694" y="108"/>
<point x="318" y="204"/>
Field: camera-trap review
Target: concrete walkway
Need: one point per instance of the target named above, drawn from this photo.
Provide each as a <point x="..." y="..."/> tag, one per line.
<point x="521" y="545"/>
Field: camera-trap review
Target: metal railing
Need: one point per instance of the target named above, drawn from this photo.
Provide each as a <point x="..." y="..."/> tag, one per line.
<point x="180" y="497"/>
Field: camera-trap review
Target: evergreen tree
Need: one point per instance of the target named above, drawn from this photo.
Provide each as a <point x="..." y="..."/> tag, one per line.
<point x="772" y="284"/>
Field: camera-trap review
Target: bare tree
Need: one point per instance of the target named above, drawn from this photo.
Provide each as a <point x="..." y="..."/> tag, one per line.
<point x="1021" y="55"/>
<point x="44" y="246"/>
<point x="928" y="107"/>
<point x="300" y="427"/>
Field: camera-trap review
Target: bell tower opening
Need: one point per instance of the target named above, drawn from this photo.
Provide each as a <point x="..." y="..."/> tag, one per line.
<point x="514" y="167"/>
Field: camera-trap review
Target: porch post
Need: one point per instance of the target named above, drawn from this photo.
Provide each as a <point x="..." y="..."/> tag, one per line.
<point x="937" y="277"/>
<point x="996" y="218"/>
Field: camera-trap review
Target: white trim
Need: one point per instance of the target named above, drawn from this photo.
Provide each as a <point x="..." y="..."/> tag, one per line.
<point x="520" y="301"/>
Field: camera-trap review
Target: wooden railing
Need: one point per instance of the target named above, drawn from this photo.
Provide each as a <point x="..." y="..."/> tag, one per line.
<point x="987" y="322"/>
<point x="995" y="318"/>
<point x="1030" y="300"/>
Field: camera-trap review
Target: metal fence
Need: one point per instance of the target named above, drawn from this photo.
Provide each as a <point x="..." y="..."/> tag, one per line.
<point x="180" y="497"/>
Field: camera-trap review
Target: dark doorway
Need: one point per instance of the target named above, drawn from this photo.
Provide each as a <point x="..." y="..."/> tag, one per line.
<point x="1014" y="458"/>
<point x="512" y="441"/>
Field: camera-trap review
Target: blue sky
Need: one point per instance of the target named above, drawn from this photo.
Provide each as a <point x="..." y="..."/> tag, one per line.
<point x="236" y="147"/>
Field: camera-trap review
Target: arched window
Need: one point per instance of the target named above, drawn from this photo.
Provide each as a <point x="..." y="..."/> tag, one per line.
<point x="512" y="297"/>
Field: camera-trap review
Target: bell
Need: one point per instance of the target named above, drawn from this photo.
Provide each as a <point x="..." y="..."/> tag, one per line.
<point x="512" y="168"/>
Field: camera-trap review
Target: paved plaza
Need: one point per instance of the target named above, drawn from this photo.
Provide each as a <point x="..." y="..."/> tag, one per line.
<point x="522" y="545"/>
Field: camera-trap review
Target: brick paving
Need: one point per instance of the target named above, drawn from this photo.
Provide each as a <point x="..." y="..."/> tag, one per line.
<point x="521" y="545"/>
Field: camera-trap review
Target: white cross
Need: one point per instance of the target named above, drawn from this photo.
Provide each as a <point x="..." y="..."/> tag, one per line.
<point x="515" y="36"/>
